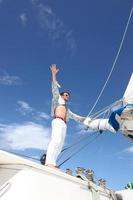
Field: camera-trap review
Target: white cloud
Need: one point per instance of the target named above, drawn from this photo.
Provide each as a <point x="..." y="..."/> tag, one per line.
<point x="55" y="27"/>
<point x="80" y="128"/>
<point x="46" y="9"/>
<point x="24" y="136"/>
<point x="71" y="43"/>
<point x="9" y="80"/>
<point x="42" y="115"/>
<point x="34" y="1"/>
<point x="129" y="150"/>
<point x="26" y="109"/>
<point x="83" y="130"/>
<point x="23" y="18"/>
<point x="49" y="21"/>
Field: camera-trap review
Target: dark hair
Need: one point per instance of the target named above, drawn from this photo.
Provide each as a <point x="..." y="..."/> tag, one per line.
<point x="62" y="93"/>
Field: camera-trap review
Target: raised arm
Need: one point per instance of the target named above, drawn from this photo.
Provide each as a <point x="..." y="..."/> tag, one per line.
<point x="55" y="90"/>
<point x="54" y="71"/>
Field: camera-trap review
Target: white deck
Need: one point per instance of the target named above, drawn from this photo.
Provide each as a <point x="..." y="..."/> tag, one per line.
<point x="26" y="180"/>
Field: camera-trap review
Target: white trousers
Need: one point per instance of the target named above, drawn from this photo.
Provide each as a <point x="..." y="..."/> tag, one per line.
<point x="59" y="128"/>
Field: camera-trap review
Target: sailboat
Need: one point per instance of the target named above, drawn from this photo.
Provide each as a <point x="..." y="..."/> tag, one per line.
<point x="24" y="179"/>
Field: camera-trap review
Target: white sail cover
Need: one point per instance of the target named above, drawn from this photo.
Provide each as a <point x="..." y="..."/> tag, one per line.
<point x="128" y="95"/>
<point x="120" y="119"/>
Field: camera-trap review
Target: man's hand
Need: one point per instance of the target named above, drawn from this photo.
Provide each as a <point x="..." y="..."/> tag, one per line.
<point x="54" y="70"/>
<point x="82" y="119"/>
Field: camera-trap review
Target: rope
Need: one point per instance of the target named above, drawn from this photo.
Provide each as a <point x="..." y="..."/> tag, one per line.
<point x="79" y="150"/>
<point x="106" y="109"/>
<point x="114" y="63"/>
<point x="103" y="111"/>
<point x="79" y="140"/>
<point x="22" y="155"/>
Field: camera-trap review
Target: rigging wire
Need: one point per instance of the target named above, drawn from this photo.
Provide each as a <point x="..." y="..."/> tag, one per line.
<point x="94" y="116"/>
<point x="106" y="109"/>
<point x="114" y="63"/>
<point x="23" y="155"/>
<point x="80" y="149"/>
<point x="79" y="140"/>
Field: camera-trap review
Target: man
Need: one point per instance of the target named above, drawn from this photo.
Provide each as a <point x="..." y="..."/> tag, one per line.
<point x="61" y="114"/>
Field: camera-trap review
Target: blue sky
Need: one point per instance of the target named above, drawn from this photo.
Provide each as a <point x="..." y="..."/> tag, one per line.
<point x="82" y="38"/>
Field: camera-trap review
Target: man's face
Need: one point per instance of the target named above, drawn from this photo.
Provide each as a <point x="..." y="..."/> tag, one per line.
<point x="65" y="96"/>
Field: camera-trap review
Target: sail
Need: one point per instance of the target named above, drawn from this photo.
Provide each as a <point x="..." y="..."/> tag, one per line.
<point x="128" y="95"/>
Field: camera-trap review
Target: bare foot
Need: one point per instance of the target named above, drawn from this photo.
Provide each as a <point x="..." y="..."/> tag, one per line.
<point x="52" y="166"/>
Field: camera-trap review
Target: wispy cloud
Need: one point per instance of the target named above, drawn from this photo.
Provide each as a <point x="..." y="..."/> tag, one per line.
<point x="81" y="129"/>
<point x="71" y="43"/>
<point x="42" y="115"/>
<point x="9" y="80"/>
<point x="121" y="154"/>
<point x="26" y="109"/>
<point x="23" y="18"/>
<point x="50" y="22"/>
<point x="34" y="1"/>
<point x="129" y="150"/>
<point x="24" y="136"/>
<point x="54" y="26"/>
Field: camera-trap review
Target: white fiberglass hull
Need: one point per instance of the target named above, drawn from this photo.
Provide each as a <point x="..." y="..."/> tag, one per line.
<point x="21" y="179"/>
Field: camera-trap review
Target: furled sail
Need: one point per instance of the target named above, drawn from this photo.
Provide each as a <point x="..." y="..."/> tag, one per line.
<point x="128" y="95"/>
<point x="120" y="119"/>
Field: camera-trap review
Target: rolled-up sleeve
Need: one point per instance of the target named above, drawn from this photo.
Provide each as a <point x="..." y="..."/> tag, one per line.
<point x="55" y="90"/>
<point x="74" y="116"/>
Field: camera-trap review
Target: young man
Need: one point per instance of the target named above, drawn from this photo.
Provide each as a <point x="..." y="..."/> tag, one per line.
<point x="61" y="114"/>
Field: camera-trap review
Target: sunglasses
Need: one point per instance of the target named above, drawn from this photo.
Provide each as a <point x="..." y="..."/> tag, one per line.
<point x="67" y="95"/>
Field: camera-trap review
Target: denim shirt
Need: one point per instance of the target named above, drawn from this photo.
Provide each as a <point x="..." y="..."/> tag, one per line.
<point x="58" y="100"/>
